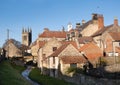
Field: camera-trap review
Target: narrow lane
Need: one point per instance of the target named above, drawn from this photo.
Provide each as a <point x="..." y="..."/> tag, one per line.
<point x="25" y="74"/>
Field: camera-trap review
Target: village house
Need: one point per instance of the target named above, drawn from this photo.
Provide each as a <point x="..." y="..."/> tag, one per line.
<point x="56" y="51"/>
<point x="92" y="52"/>
<point x="112" y="44"/>
<point x="86" y="28"/>
<point x="57" y="56"/>
<point x="103" y="37"/>
<point x="47" y="49"/>
<point x="44" y="37"/>
<point x="93" y="25"/>
<point x="12" y="48"/>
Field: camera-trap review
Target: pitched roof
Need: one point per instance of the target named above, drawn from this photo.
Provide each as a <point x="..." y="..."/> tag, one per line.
<point x="64" y="45"/>
<point x="82" y="40"/>
<point x="91" y="50"/>
<point x="72" y="59"/>
<point x="86" y="24"/>
<point x="51" y="34"/>
<point x="70" y="42"/>
<point x="59" y="50"/>
<point x="99" y="32"/>
<point x="115" y="36"/>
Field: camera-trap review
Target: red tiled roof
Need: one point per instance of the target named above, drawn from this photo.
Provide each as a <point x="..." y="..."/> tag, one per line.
<point x="72" y="59"/>
<point x="115" y="36"/>
<point x="82" y="40"/>
<point x="51" y="34"/>
<point x="91" y="51"/>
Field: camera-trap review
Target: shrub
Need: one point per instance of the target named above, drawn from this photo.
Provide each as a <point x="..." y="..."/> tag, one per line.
<point x="102" y="61"/>
<point x="74" y="70"/>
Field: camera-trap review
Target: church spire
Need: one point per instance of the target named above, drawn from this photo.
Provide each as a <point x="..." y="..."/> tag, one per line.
<point x="23" y="30"/>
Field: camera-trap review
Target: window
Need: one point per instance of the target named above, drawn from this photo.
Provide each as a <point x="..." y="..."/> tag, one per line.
<point x="73" y="65"/>
<point x="68" y="36"/>
<point x="54" y="48"/>
<point x="80" y="35"/>
<point x="53" y="59"/>
<point x="25" y="37"/>
<point x="73" y="34"/>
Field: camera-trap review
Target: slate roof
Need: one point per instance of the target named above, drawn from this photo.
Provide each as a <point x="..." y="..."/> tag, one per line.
<point x="72" y="59"/>
<point x="51" y="34"/>
<point x="86" y="24"/>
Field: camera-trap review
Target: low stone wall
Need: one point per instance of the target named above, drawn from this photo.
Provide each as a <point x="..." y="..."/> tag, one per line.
<point x="81" y="79"/>
<point x="1" y="58"/>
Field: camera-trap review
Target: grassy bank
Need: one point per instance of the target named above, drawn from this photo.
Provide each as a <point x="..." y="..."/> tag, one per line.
<point x="46" y="80"/>
<point x="10" y="74"/>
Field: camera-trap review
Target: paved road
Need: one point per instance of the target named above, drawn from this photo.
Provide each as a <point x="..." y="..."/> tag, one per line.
<point x="25" y="74"/>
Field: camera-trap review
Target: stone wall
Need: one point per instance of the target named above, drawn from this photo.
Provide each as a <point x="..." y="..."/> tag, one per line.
<point x="81" y="79"/>
<point x="90" y="30"/>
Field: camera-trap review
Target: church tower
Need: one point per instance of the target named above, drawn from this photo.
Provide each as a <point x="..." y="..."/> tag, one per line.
<point x="69" y="26"/>
<point x="26" y="36"/>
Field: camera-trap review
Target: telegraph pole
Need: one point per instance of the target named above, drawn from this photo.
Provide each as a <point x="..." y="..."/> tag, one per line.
<point x="8" y="43"/>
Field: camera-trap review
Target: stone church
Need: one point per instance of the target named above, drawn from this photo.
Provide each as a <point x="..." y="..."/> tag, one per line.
<point x="26" y="36"/>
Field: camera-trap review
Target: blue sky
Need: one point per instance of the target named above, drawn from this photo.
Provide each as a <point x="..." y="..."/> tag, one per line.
<point x="53" y="14"/>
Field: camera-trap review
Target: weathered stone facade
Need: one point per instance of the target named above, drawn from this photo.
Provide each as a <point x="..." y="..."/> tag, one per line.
<point x="12" y="51"/>
<point x="46" y="50"/>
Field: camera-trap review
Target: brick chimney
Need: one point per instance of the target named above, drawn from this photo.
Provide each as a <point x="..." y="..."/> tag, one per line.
<point x="100" y="21"/>
<point x="115" y="21"/>
<point x="46" y="29"/>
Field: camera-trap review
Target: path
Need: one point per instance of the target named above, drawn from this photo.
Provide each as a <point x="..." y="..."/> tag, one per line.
<point x="25" y="74"/>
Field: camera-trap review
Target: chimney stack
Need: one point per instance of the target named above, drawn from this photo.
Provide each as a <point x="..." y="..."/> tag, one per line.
<point x="83" y="22"/>
<point x="115" y="21"/>
<point x="100" y="21"/>
<point x="46" y="29"/>
<point x="77" y="25"/>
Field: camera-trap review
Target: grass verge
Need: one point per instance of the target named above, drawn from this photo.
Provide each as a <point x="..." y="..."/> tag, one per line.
<point x="10" y="74"/>
<point x="46" y="80"/>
